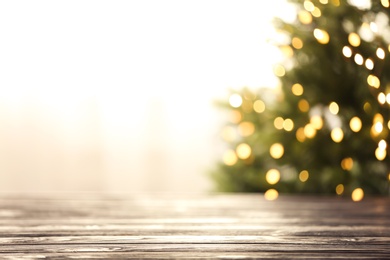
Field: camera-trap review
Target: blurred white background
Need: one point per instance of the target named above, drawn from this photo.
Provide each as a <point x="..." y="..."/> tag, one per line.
<point x="118" y="95"/>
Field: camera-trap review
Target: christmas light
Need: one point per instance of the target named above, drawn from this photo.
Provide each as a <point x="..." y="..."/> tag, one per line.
<point x="235" y="116"/>
<point x="385" y="3"/>
<point x="272" y="176"/>
<point x="308" y="5"/>
<point x="300" y="135"/>
<point x="358" y="59"/>
<point x="317" y="122"/>
<point x="297" y="89"/>
<point x="347" y="163"/>
<point x="369" y="64"/>
<point x="271" y="194"/>
<point x="303" y="105"/>
<point x="276" y="150"/>
<point x="230" y="158"/>
<point x="259" y="106"/>
<point x="297" y="43"/>
<point x="357" y="194"/>
<point x="278" y="123"/>
<point x="339" y="189"/>
<point x="243" y="151"/>
<point x="305" y="17"/>
<point x="355" y="124"/>
<point x="235" y="100"/>
<point x="373" y="81"/>
<point x="303" y="176"/>
<point x="382" y="144"/>
<point x="337" y="135"/>
<point x="321" y="36"/>
<point x="279" y="70"/>
<point x="380" y="53"/>
<point x="381" y="98"/>
<point x="354" y="39"/>
<point x="324" y="2"/>
<point x="246" y="128"/>
<point x="347" y="51"/>
<point x="334" y="108"/>
<point x="380" y="154"/>
<point x="288" y="124"/>
<point x="309" y="131"/>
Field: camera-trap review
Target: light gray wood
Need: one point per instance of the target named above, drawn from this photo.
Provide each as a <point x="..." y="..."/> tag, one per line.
<point x="192" y="226"/>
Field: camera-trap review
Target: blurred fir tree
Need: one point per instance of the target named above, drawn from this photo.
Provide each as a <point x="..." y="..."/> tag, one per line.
<point x="326" y="130"/>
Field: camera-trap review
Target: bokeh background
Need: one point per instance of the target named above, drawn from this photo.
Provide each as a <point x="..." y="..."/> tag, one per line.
<point x="119" y="95"/>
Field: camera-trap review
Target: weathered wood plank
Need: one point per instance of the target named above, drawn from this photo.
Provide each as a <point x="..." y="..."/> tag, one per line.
<point x="171" y="226"/>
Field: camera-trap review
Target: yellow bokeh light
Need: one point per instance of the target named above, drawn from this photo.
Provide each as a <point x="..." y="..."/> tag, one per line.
<point x="243" y="151"/>
<point x="347" y="163"/>
<point x="355" y="124"/>
<point x="279" y="70"/>
<point x="385" y="3"/>
<point x="382" y="144"/>
<point x="230" y="157"/>
<point x="380" y="53"/>
<point x="303" y="176"/>
<point x="259" y="106"/>
<point x="381" y="98"/>
<point x="303" y="105"/>
<point x="235" y="117"/>
<point x="359" y="60"/>
<point x="321" y="36"/>
<point x="246" y="128"/>
<point x="309" y="131"/>
<point x="334" y="108"/>
<point x="367" y="107"/>
<point x="300" y="135"/>
<point x="297" y="43"/>
<point x="324" y="2"/>
<point x="305" y="17"/>
<point x="308" y="5"/>
<point x="378" y="127"/>
<point x="388" y="98"/>
<point x="271" y="194"/>
<point x="339" y="189"/>
<point x="317" y="122"/>
<point x="369" y="64"/>
<point x="337" y="135"/>
<point x="335" y="2"/>
<point x="357" y="194"/>
<point x="278" y="123"/>
<point x="354" y="39"/>
<point x="235" y="100"/>
<point x="276" y="150"/>
<point x="288" y="124"/>
<point x="380" y="154"/>
<point x="377" y="118"/>
<point x="316" y="12"/>
<point x="229" y="134"/>
<point x="373" y="81"/>
<point x="297" y="89"/>
<point x="347" y="51"/>
<point x="272" y="176"/>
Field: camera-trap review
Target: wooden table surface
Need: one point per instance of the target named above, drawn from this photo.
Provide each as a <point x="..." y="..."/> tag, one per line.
<point x="192" y="226"/>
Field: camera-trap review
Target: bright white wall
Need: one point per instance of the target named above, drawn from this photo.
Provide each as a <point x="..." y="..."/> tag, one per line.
<point x="118" y="95"/>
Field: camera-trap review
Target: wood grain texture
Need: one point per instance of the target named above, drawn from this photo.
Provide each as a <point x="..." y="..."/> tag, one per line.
<point x="192" y="226"/>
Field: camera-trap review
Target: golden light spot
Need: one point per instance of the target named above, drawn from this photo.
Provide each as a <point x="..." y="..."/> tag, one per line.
<point x="388" y="124"/>
<point x="355" y="124"/>
<point x="235" y="117"/>
<point x="388" y="98"/>
<point x="259" y="106"/>
<point x="381" y="98"/>
<point x="297" y="89"/>
<point x="303" y="105"/>
<point x="377" y="118"/>
<point x="305" y="17"/>
<point x="369" y="64"/>
<point x="228" y="134"/>
<point x="279" y="70"/>
<point x="309" y="131"/>
<point x="357" y="194"/>
<point x="358" y="59"/>
<point x="334" y="108"/>
<point x="276" y="150"/>
<point x="321" y="36"/>
<point x="337" y="135"/>
<point x="230" y="157"/>
<point x="297" y="43"/>
<point x="246" y="128"/>
<point x="317" y="122"/>
<point x="272" y="176"/>
<point x="235" y="100"/>
<point x="373" y="81"/>
<point x="303" y="176"/>
<point x="300" y="135"/>
<point x="380" y="154"/>
<point x="278" y="123"/>
<point x="287" y="51"/>
<point x="324" y="2"/>
<point x="288" y="124"/>
<point x="308" y="5"/>
<point x="347" y="163"/>
<point x="347" y="51"/>
<point x="378" y="127"/>
<point x="243" y="151"/>
<point x="382" y="144"/>
<point x="380" y="53"/>
<point x="354" y="39"/>
<point x="316" y="12"/>
<point x="374" y="27"/>
<point x="271" y="194"/>
<point x="339" y="189"/>
<point x="385" y="3"/>
<point x="367" y="107"/>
